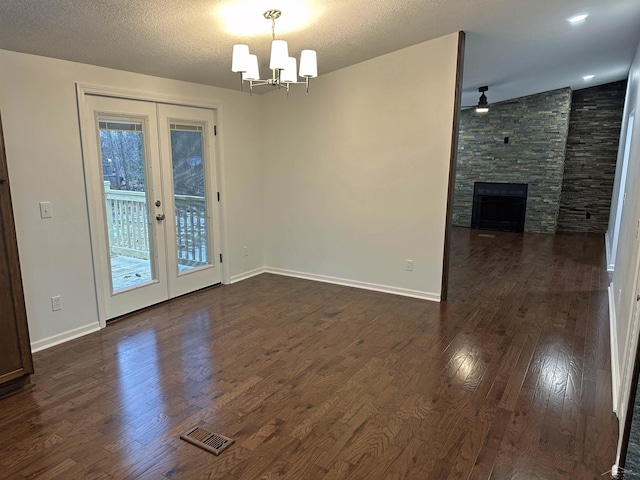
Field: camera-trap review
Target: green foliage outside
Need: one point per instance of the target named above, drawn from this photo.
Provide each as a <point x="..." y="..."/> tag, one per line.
<point x="123" y="161"/>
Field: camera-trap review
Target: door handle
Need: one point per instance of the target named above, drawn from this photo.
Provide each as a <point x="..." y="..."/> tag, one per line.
<point x="160" y="217"/>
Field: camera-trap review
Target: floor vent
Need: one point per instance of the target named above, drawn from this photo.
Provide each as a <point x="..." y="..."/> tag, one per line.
<point x="209" y="441"/>
<point x="486" y="235"/>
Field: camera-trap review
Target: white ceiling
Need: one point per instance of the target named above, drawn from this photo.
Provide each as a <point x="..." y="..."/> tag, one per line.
<point x="516" y="47"/>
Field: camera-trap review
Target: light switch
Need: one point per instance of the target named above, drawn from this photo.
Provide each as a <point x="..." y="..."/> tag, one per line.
<point x="45" y="210"/>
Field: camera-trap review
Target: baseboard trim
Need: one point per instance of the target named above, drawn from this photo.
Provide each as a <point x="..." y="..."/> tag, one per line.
<point x="607" y="248"/>
<point x="249" y="274"/>
<point x="613" y="336"/>
<point x="63" y="337"/>
<point x="405" y="292"/>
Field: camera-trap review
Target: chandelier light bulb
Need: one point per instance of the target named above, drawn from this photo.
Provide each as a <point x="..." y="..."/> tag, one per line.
<point x="289" y="74"/>
<point x="279" y="55"/>
<point x="308" y="64"/>
<point x="253" y="72"/>
<point x="240" y="58"/>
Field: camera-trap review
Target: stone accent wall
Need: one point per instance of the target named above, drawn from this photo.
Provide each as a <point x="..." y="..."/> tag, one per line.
<point x="536" y="127"/>
<point x="590" y="159"/>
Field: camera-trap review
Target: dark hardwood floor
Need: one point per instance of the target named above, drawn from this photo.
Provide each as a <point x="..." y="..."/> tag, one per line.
<point x="510" y="379"/>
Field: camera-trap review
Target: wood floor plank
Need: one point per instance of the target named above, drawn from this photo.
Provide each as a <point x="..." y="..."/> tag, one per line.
<point x="509" y="379"/>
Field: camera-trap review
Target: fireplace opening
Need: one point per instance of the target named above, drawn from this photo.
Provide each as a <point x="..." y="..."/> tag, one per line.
<point x="499" y="206"/>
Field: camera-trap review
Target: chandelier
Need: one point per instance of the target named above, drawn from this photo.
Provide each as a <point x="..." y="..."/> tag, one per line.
<point x="283" y="67"/>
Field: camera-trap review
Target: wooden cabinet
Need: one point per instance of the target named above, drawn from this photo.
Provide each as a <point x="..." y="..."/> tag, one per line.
<point x="16" y="364"/>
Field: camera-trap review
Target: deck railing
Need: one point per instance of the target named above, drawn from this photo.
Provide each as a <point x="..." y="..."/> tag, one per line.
<point x="191" y="230"/>
<point x="127" y="223"/>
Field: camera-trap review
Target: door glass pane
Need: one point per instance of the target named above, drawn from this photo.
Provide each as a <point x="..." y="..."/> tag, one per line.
<point x="192" y="236"/>
<point x="123" y="167"/>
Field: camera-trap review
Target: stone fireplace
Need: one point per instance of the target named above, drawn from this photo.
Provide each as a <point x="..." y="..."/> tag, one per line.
<point x="499" y="206"/>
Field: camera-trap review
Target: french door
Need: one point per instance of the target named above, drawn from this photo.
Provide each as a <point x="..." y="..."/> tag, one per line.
<point x="152" y="189"/>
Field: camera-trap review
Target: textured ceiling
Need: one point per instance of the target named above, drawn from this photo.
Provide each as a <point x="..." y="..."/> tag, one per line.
<point x="516" y="47"/>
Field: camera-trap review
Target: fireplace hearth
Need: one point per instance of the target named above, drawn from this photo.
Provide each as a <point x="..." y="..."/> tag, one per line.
<point x="499" y="206"/>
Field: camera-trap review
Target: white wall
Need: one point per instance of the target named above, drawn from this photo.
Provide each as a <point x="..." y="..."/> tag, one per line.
<point x="357" y="172"/>
<point x="622" y="289"/>
<point x="345" y="186"/>
<point x="40" y="119"/>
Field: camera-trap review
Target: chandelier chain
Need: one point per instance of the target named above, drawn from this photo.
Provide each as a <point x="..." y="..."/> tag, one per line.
<point x="272" y="15"/>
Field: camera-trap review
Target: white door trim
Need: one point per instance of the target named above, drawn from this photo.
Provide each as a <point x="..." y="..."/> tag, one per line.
<point x="83" y="89"/>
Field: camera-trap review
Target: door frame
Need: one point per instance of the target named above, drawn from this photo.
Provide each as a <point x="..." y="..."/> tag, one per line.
<point x="622" y="186"/>
<point x="630" y="371"/>
<point x="93" y="203"/>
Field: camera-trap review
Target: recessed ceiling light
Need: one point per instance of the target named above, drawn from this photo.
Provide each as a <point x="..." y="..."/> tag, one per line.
<point x="588" y="77"/>
<point x="578" y="18"/>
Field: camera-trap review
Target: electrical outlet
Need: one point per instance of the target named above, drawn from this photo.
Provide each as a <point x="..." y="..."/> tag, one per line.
<point x="409" y="265"/>
<point x="245" y="251"/>
<point x="56" y="303"/>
